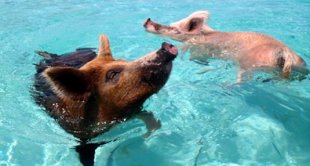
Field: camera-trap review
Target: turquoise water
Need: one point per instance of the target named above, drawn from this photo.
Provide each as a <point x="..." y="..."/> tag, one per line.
<point x="206" y="119"/>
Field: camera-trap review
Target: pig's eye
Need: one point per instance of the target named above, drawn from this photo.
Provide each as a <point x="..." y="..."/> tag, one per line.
<point x="193" y="24"/>
<point x="113" y="75"/>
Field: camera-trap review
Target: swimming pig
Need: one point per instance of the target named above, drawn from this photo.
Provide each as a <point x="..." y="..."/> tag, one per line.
<point x="88" y="93"/>
<point x="250" y="50"/>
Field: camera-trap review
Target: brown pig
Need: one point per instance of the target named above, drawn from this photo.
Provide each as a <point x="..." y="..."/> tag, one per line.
<point x="87" y="93"/>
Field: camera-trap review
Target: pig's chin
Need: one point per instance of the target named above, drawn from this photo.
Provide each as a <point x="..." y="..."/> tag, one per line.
<point x="156" y="67"/>
<point x="156" y="76"/>
<point x="151" y="29"/>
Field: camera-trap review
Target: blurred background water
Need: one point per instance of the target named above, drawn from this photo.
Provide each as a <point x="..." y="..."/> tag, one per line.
<point x="206" y="119"/>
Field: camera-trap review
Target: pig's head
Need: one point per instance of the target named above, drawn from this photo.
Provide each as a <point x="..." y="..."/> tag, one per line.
<point x="114" y="88"/>
<point x="185" y="29"/>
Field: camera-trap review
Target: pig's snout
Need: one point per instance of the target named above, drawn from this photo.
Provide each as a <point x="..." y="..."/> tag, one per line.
<point x="152" y="26"/>
<point x="163" y="56"/>
<point x="169" y="48"/>
<point x="146" y="23"/>
<point x="167" y="52"/>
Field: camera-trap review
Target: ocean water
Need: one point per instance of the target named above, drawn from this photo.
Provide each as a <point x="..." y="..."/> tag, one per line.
<point x="206" y="118"/>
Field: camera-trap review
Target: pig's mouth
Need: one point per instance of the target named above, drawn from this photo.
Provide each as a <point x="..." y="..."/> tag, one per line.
<point x="157" y="28"/>
<point x="156" y="69"/>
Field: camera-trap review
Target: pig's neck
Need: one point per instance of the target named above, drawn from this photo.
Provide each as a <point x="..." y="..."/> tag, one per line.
<point x="213" y="44"/>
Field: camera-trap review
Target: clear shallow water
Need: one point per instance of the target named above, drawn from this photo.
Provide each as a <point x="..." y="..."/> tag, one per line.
<point x="206" y="120"/>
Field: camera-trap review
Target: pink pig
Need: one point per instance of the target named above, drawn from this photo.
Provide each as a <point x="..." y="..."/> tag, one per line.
<point x="250" y="50"/>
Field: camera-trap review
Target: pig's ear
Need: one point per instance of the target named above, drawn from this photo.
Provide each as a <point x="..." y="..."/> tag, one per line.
<point x="104" y="47"/>
<point x="197" y="20"/>
<point x="204" y="15"/>
<point x="195" y="24"/>
<point x="68" y="82"/>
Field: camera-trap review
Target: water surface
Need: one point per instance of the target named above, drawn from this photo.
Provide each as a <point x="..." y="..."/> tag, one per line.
<point x="206" y="119"/>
